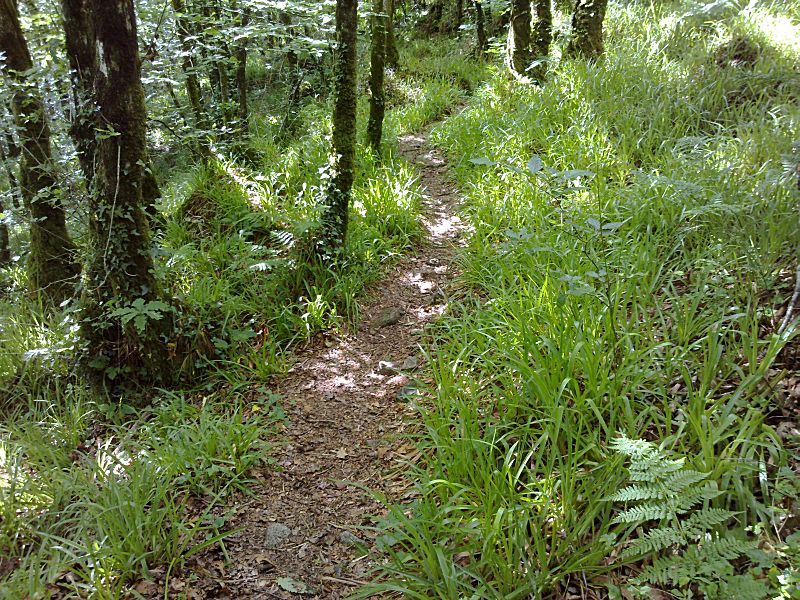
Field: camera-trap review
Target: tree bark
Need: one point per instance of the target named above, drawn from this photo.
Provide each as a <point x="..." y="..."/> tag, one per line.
<point x="121" y="274"/>
<point x="519" y="37"/>
<point x="6" y="158"/>
<point x="5" y="250"/>
<point x="82" y="57"/>
<point x="435" y="14"/>
<point x="543" y="28"/>
<point x="586" y="38"/>
<point x="377" y="104"/>
<point x="336" y="215"/>
<point x="480" y="28"/>
<point x="241" y="68"/>
<point x="291" y="114"/>
<point x="79" y="39"/>
<point x="52" y="267"/>
<point x="542" y="36"/>
<point x="392" y="54"/>
<point x="191" y="82"/>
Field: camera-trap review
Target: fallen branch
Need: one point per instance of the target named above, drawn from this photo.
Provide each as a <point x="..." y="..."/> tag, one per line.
<point x="789" y="309"/>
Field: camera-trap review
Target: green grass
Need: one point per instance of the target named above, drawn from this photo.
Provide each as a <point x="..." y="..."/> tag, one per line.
<point x="107" y="505"/>
<point x="96" y="491"/>
<point x="635" y="297"/>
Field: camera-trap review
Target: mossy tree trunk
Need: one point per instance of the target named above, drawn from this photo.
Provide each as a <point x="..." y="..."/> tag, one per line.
<point x="377" y="104"/>
<point x="8" y="157"/>
<point x="586" y="37"/>
<point x="519" y="37"/>
<point x="81" y="55"/>
<point x="480" y="28"/>
<point x="240" y="55"/>
<point x="52" y="267"/>
<point x="336" y="215"/>
<point x="79" y="39"/>
<point x="5" y="250"/>
<point x="392" y="54"/>
<point x="542" y="35"/>
<point x="121" y="276"/>
<point x="191" y="81"/>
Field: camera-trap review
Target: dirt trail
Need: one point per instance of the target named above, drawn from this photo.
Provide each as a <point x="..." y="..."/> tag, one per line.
<point x="347" y="414"/>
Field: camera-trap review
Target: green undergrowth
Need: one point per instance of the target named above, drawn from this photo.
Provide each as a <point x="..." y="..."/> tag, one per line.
<point x="633" y="231"/>
<point x="95" y="491"/>
<point x="87" y="509"/>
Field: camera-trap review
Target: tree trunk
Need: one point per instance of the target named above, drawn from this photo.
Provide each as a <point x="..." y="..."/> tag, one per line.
<point x="480" y="28"/>
<point x="377" y="103"/>
<point x="519" y="37"/>
<point x="543" y="28"/>
<point x="435" y="13"/>
<point x="392" y="54"/>
<point x="82" y="57"/>
<point x="459" y="14"/>
<point x="6" y="158"/>
<point x="241" y="69"/>
<point x="542" y="36"/>
<point x="192" y="84"/>
<point x="291" y="114"/>
<point x="79" y="39"/>
<point x="121" y="276"/>
<point x="52" y="267"/>
<point x="344" y="126"/>
<point x="586" y="38"/>
<point x="5" y="250"/>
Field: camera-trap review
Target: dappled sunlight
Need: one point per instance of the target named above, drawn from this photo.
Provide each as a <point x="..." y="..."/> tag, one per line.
<point x="531" y="335"/>
<point x="780" y="30"/>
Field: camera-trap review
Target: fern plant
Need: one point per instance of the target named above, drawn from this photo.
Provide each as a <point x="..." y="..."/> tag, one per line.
<point x="688" y="551"/>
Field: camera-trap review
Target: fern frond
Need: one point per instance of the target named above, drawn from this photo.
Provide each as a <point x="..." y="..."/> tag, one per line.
<point x="679" y="570"/>
<point x="723" y="548"/>
<point x="633" y="448"/>
<point x="654" y="468"/>
<point x="706" y="519"/>
<point x="661" y="489"/>
<point x="655" y="540"/>
<point x="644" y="512"/>
<point x="636" y="492"/>
<point x="683" y="479"/>
<point x="692" y="497"/>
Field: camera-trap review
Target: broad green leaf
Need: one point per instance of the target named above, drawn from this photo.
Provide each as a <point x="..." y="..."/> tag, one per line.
<point x="535" y="164"/>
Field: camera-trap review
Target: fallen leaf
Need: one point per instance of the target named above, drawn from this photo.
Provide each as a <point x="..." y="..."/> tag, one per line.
<point x="146" y="588"/>
<point x="294" y="586"/>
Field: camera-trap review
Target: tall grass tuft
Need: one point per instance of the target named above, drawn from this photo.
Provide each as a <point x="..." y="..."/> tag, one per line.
<point x="632" y="230"/>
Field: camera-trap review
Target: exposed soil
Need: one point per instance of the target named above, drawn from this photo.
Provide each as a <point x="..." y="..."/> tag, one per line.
<point x="348" y="412"/>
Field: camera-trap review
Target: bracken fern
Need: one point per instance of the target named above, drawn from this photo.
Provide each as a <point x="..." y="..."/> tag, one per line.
<point x="686" y="547"/>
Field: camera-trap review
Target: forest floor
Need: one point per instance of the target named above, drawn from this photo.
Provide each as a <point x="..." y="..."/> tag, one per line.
<point x="349" y="400"/>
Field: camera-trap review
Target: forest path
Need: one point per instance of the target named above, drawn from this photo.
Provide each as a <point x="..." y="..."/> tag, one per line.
<point x="348" y="412"/>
